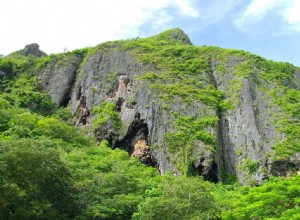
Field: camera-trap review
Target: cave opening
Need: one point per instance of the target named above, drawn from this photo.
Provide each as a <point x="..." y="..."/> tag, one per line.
<point x="65" y="102"/>
<point x="136" y="141"/>
<point x="284" y="168"/>
<point x="209" y="173"/>
<point x="119" y="103"/>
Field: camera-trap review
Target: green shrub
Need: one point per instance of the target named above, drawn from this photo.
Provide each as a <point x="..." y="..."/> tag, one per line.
<point x="107" y="113"/>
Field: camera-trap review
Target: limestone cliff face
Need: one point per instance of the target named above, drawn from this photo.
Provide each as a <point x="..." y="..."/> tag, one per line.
<point x="154" y="106"/>
<point x="249" y="133"/>
<point x="57" y="78"/>
<point x="246" y="132"/>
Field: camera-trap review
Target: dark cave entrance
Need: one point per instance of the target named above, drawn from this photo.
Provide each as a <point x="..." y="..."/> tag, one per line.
<point x="284" y="168"/>
<point x="136" y="141"/>
<point x="209" y="173"/>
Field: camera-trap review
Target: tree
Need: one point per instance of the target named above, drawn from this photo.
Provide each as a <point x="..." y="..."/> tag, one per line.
<point x="7" y="67"/>
<point x="35" y="182"/>
<point x="276" y="199"/>
<point x="179" y="198"/>
<point x="110" y="181"/>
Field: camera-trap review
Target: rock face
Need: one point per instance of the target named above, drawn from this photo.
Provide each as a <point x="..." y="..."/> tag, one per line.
<point x="158" y="104"/>
<point x="246" y="132"/>
<point x="58" y="77"/>
<point x="250" y="132"/>
<point x="32" y="49"/>
<point x="136" y="141"/>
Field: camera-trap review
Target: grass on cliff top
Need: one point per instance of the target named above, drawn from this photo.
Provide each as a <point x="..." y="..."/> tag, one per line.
<point x="180" y="72"/>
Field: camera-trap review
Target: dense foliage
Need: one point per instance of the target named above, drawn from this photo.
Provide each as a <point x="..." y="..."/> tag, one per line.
<point x="276" y="199"/>
<point x="179" y="198"/>
<point x="52" y="170"/>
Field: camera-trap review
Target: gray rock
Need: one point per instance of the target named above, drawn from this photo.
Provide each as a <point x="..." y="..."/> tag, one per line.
<point x="32" y="49"/>
<point x="58" y="77"/>
<point x="245" y="135"/>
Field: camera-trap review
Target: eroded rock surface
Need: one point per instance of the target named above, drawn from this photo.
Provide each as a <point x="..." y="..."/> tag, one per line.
<point x="58" y="78"/>
<point x="244" y="134"/>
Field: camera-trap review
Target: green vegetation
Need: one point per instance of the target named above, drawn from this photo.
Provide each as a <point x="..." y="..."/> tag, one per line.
<point x="189" y="131"/>
<point x="107" y="114"/>
<point x="52" y="170"/>
<point x="181" y="76"/>
<point x="179" y="198"/>
<point x="35" y="182"/>
<point x="175" y="35"/>
<point x="111" y="184"/>
<point x="288" y="121"/>
<point x="280" y="91"/>
<point x="276" y="199"/>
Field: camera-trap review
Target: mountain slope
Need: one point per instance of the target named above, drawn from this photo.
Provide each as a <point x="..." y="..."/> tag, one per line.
<point x="188" y="110"/>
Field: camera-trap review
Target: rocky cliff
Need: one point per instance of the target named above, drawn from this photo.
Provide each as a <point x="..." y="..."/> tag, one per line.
<point x="185" y="109"/>
<point x="30" y="50"/>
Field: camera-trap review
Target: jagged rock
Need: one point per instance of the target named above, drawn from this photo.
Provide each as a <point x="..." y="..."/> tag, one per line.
<point x="136" y="140"/>
<point x="32" y="49"/>
<point x="82" y="115"/>
<point x="244" y="135"/>
<point x="176" y="35"/>
<point x="246" y="132"/>
<point x="58" y="77"/>
<point x="142" y="151"/>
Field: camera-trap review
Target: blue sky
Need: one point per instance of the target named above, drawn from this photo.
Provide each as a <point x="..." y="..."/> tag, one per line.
<point x="269" y="28"/>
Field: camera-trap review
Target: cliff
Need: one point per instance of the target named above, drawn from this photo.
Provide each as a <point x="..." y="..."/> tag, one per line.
<point x="185" y="109"/>
<point x="30" y="50"/>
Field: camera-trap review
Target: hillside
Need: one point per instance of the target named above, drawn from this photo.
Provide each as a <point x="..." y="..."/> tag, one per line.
<point x="109" y="117"/>
<point x="203" y="110"/>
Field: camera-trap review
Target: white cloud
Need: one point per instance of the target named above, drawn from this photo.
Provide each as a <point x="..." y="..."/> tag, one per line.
<point x="56" y="24"/>
<point x="163" y="18"/>
<point x="216" y="11"/>
<point x="292" y="15"/>
<point x="185" y="7"/>
<point x="257" y="11"/>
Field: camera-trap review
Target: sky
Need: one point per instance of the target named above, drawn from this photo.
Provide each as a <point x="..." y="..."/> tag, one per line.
<point x="269" y="28"/>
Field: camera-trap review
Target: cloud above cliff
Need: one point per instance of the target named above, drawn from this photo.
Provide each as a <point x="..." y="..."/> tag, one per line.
<point x="270" y="28"/>
<point x="77" y="23"/>
<point x="286" y="12"/>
